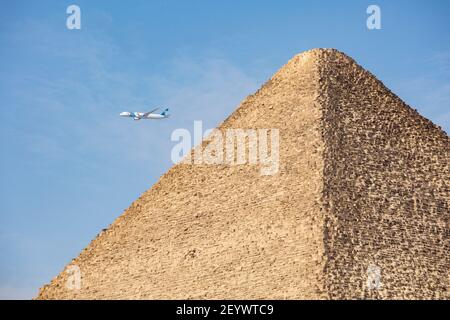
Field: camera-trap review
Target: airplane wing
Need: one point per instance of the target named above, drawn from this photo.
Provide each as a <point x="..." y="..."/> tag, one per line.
<point x="147" y="113"/>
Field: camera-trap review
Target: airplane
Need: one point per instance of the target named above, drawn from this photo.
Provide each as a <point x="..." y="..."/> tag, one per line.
<point x="146" y="115"/>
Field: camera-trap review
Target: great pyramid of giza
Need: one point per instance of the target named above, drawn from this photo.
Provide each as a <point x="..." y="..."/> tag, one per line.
<point x="359" y="208"/>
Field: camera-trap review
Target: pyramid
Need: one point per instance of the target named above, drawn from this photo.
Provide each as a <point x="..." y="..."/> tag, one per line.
<point x="359" y="208"/>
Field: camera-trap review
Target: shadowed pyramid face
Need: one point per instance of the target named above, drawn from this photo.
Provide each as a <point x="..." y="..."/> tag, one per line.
<point x="358" y="208"/>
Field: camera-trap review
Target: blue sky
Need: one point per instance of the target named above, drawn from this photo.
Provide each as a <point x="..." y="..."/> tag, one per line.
<point x="69" y="165"/>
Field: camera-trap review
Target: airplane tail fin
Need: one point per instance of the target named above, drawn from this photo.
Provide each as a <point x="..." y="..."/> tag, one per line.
<point x="165" y="112"/>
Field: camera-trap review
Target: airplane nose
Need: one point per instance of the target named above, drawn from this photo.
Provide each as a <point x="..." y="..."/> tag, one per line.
<point x="124" y="114"/>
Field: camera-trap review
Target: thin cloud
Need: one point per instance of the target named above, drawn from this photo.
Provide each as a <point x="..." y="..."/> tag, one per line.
<point x="430" y="92"/>
<point x="441" y="61"/>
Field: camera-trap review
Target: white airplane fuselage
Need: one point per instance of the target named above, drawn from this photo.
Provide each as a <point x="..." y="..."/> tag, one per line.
<point x="143" y="115"/>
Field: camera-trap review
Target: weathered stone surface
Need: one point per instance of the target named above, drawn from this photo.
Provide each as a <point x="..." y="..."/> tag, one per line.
<point x="363" y="183"/>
